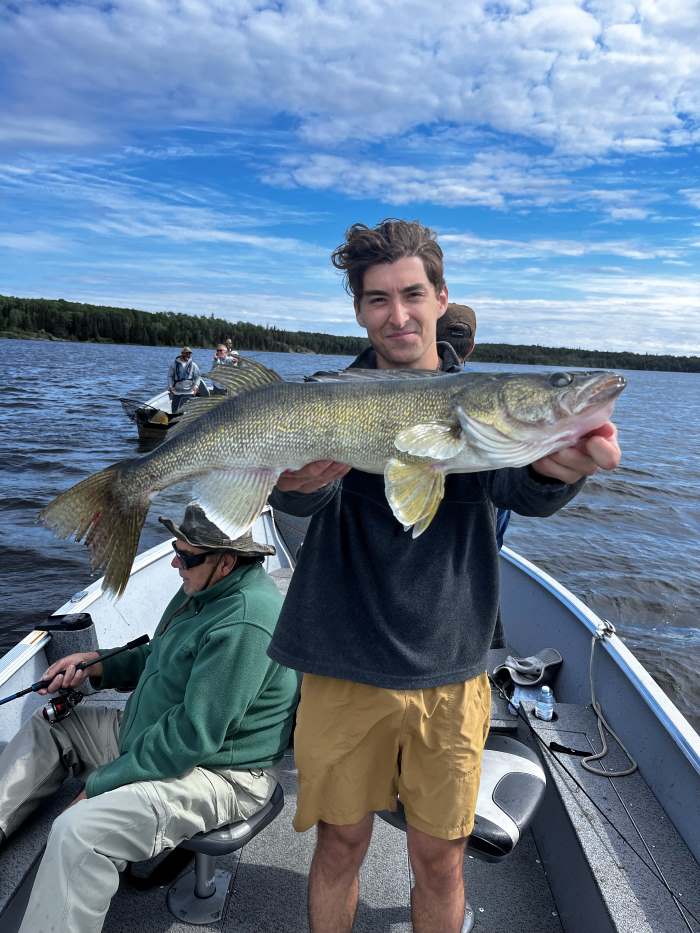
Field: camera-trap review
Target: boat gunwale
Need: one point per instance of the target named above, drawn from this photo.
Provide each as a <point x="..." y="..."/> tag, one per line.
<point x="15" y="659"/>
<point x="662" y="707"/>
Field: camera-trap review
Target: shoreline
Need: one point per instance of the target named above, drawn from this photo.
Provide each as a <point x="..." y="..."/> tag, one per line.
<point x="527" y="354"/>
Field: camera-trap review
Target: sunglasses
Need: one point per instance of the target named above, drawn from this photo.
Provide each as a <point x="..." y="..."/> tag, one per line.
<point x="189" y="561"/>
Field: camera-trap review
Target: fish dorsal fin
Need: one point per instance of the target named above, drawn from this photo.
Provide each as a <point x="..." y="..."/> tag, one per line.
<point x="194" y="409"/>
<point x="373" y="375"/>
<point x="414" y="491"/>
<point x="248" y="374"/>
<point x="439" y="440"/>
<point x="233" y="499"/>
<point x="498" y="449"/>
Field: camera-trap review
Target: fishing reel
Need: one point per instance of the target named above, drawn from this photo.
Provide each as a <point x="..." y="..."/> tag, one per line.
<point x="61" y="706"/>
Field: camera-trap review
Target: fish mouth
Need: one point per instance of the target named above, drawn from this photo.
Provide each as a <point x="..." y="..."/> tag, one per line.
<point x="593" y="406"/>
<point x="605" y="389"/>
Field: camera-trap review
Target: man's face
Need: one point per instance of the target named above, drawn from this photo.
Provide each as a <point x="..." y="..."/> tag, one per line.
<point x="197" y="578"/>
<point x="399" y="308"/>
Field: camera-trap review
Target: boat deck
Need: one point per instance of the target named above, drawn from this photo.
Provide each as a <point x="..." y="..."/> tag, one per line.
<point x="581" y="855"/>
<point x="268" y="893"/>
<point x="601" y="885"/>
<point x="269" y="890"/>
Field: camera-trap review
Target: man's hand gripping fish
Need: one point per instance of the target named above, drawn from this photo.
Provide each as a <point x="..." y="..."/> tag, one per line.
<point x="412" y="428"/>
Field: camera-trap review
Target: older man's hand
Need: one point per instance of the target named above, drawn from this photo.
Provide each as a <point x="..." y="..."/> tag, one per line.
<point x="598" y="450"/>
<point x="312" y="476"/>
<point x="64" y="673"/>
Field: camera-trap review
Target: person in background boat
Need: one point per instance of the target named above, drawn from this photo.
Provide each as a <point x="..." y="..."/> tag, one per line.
<point x="233" y="354"/>
<point x="209" y="716"/>
<point x="392" y="633"/>
<point x="184" y="379"/>
<point x="457" y="327"/>
<point x="221" y="357"/>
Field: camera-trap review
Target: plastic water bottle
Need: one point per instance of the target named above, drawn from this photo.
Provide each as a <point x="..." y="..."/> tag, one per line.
<point x="544" y="704"/>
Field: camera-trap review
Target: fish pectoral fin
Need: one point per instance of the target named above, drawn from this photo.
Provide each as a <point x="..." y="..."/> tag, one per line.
<point x="414" y="491"/>
<point x="498" y="449"/>
<point x="439" y="440"/>
<point x="233" y="499"/>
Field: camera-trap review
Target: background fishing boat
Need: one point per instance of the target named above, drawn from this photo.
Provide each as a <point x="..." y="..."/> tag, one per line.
<point x="152" y="418"/>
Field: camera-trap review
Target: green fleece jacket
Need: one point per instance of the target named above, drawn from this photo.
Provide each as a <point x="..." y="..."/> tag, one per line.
<point x="204" y="690"/>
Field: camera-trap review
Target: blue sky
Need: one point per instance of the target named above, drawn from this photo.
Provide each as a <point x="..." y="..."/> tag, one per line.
<point x="206" y="156"/>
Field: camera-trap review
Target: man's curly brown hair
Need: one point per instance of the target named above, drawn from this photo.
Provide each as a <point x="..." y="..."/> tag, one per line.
<point x="389" y="241"/>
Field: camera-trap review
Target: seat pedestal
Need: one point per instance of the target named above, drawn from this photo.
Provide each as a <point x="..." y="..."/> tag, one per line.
<point x="199" y="896"/>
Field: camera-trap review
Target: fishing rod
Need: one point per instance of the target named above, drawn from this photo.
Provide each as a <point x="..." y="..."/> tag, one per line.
<point x="60" y="707"/>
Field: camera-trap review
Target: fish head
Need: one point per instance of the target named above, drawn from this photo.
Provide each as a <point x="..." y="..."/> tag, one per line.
<point x="523" y="405"/>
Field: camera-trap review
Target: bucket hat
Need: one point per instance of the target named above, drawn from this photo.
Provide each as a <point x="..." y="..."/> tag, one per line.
<point x="458" y="327"/>
<point x="528" y="672"/>
<point x="458" y="320"/>
<point x="197" y="530"/>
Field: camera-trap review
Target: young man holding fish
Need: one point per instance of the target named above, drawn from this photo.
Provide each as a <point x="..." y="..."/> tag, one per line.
<point x="395" y="698"/>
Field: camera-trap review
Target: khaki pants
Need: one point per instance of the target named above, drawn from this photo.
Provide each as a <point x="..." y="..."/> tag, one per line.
<point x="91" y="842"/>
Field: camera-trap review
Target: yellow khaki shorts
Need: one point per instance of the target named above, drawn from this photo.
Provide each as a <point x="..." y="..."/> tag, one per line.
<point x="358" y="747"/>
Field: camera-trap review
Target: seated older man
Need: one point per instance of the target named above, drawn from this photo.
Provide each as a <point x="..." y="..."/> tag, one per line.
<point x="209" y="716"/>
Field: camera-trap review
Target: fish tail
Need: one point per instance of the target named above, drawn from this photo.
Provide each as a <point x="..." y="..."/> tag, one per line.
<point x="98" y="511"/>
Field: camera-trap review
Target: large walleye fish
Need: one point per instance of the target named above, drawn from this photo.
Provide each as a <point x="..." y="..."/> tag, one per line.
<point x="412" y="428"/>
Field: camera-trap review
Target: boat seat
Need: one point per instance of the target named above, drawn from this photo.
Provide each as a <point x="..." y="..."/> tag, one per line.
<point x="511" y="788"/>
<point x="199" y="896"/>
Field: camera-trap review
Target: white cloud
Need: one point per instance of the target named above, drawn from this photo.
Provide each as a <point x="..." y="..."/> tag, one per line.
<point x="465" y="247"/>
<point x="655" y="319"/>
<point x="692" y="195"/>
<point x="489" y="178"/>
<point x="29" y="130"/>
<point x="607" y="77"/>
<point x="629" y="213"/>
<point x="114" y="203"/>
<point x="38" y="242"/>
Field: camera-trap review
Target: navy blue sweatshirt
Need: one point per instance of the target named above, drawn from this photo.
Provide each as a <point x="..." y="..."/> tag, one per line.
<point x="368" y="603"/>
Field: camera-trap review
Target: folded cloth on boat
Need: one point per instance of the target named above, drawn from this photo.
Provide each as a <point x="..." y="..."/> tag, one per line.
<point x="535" y="669"/>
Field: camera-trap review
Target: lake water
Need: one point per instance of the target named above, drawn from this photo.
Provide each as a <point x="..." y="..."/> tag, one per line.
<point x="628" y="545"/>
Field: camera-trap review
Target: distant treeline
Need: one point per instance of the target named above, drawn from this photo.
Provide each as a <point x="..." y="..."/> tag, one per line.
<point x="590" y="359"/>
<point x="70" y="320"/>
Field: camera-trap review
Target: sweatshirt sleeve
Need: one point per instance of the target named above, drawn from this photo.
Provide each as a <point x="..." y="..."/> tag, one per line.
<point x="523" y="491"/>
<point x="123" y="670"/>
<point x="194" y="730"/>
<point x="303" y="504"/>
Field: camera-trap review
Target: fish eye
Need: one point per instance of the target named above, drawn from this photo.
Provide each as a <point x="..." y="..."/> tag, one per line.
<point x="559" y="380"/>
